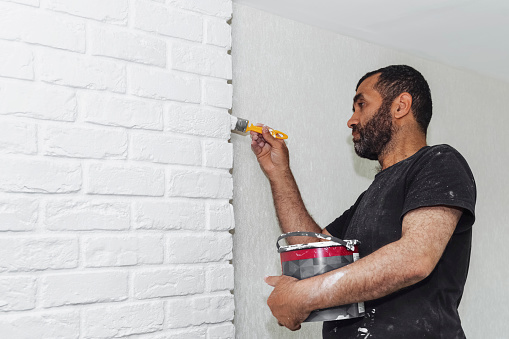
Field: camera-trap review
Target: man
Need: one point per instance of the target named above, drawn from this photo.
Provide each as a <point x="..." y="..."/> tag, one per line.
<point x="414" y="222"/>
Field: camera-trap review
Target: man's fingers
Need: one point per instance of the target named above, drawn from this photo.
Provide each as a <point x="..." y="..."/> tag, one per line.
<point x="272" y="281"/>
<point x="264" y="137"/>
<point x="254" y="146"/>
<point x="257" y="143"/>
<point x="285" y="314"/>
<point x="291" y="328"/>
<point x="256" y="137"/>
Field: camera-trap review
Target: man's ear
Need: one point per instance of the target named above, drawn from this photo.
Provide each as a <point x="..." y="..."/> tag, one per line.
<point x="402" y="105"/>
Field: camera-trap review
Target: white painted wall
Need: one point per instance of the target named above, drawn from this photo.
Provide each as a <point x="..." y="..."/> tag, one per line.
<point x="114" y="169"/>
<point x="301" y="80"/>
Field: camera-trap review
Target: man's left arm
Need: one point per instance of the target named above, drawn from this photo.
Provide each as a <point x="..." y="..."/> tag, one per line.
<point x="425" y="234"/>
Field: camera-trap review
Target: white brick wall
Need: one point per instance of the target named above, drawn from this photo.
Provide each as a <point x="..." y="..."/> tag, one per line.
<point x="115" y="189"/>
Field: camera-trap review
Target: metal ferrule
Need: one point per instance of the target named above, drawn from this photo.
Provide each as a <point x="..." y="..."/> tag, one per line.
<point x="241" y="125"/>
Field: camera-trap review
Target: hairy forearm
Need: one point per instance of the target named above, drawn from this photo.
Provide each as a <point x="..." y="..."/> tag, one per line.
<point x="273" y="157"/>
<point x="385" y="271"/>
<point x="291" y="211"/>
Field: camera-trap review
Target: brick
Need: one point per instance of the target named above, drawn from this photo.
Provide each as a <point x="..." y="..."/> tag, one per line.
<point x="18" y="137"/>
<point x="111" y="11"/>
<point x="218" y="32"/>
<point x="122" y="320"/>
<point x="222" y="331"/>
<point x="37" y="101"/>
<point x="180" y="333"/>
<point x="200" y="184"/>
<point x="79" y="142"/>
<point x="125" y="180"/>
<point x="218" y="153"/>
<point x="111" y="110"/>
<point x="122" y="250"/>
<point x="207" y="309"/>
<point x="16" y="61"/>
<point x="83" y="288"/>
<point x="125" y="45"/>
<point x="165" y="149"/>
<point x="61" y="324"/>
<point x="39" y="176"/>
<point x="171" y="215"/>
<point x="158" y="18"/>
<point x="196" y="120"/>
<point x="219" y="277"/>
<point x="18" y="214"/>
<point x="199" y="248"/>
<point x="201" y="59"/>
<point x="81" y="71"/>
<point x="219" y="8"/>
<point x="34" y="253"/>
<point x="220" y="216"/>
<point x="17" y="293"/>
<point x="217" y="93"/>
<point x="168" y="282"/>
<point x="83" y="215"/>
<point x="153" y="84"/>
<point x="40" y="27"/>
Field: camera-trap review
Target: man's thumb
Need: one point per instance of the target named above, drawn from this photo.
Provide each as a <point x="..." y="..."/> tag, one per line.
<point x="272" y="281"/>
<point x="267" y="136"/>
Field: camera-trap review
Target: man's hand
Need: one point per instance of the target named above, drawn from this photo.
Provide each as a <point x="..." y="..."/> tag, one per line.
<point x="272" y="153"/>
<point x="287" y="301"/>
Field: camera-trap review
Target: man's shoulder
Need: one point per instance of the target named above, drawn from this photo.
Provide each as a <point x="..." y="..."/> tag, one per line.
<point x="429" y="154"/>
<point x="442" y="148"/>
<point x="444" y="151"/>
<point x="441" y="159"/>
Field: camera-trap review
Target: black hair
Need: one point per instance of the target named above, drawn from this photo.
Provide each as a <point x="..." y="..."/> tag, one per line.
<point x="397" y="79"/>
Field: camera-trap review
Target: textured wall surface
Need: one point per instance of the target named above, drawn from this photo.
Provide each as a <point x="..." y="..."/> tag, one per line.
<point x="301" y="80"/>
<point x="115" y="165"/>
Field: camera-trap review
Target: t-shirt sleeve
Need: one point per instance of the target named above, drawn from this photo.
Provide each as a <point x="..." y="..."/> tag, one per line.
<point x="338" y="227"/>
<point x="442" y="177"/>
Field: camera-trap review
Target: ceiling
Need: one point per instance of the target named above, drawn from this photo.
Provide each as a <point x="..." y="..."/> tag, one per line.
<point x="466" y="34"/>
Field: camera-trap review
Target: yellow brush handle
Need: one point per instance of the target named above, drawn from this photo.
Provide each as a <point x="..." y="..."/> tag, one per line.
<point x="274" y="133"/>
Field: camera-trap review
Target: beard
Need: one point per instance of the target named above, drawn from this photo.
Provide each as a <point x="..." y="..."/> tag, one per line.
<point x="376" y="135"/>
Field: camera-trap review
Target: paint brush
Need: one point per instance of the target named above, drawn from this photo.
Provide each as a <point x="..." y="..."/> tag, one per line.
<point x="242" y="125"/>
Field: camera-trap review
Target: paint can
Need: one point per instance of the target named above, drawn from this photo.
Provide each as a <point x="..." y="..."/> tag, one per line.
<point x="304" y="261"/>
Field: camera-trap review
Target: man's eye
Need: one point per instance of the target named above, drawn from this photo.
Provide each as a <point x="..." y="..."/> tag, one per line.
<point x="361" y="104"/>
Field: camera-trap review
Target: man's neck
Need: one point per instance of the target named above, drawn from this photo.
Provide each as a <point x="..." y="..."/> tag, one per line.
<point x="401" y="147"/>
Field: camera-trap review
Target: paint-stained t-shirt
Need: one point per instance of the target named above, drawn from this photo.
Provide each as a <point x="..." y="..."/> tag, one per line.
<point x="433" y="176"/>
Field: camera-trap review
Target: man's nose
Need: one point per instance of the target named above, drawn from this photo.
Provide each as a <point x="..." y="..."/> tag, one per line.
<point x="354" y="120"/>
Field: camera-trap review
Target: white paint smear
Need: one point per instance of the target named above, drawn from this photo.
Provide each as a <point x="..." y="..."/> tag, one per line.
<point x="331" y="280"/>
<point x="233" y="122"/>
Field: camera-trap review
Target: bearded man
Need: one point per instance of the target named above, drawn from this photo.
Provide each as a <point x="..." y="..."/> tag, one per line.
<point x="414" y="222"/>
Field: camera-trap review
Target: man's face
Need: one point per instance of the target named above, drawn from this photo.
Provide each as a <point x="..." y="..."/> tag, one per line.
<point x="374" y="136"/>
<point x="371" y="122"/>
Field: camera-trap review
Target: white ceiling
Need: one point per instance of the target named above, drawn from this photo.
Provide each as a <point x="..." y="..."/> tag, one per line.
<point x="467" y="34"/>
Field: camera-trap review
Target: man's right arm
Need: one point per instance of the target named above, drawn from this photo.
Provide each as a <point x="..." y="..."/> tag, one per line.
<point x="272" y="155"/>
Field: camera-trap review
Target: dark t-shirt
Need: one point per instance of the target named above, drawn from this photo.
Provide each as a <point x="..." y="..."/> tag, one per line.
<point x="433" y="176"/>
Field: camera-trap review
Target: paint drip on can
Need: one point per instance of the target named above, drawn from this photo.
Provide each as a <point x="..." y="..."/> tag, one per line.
<point x="304" y="261"/>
